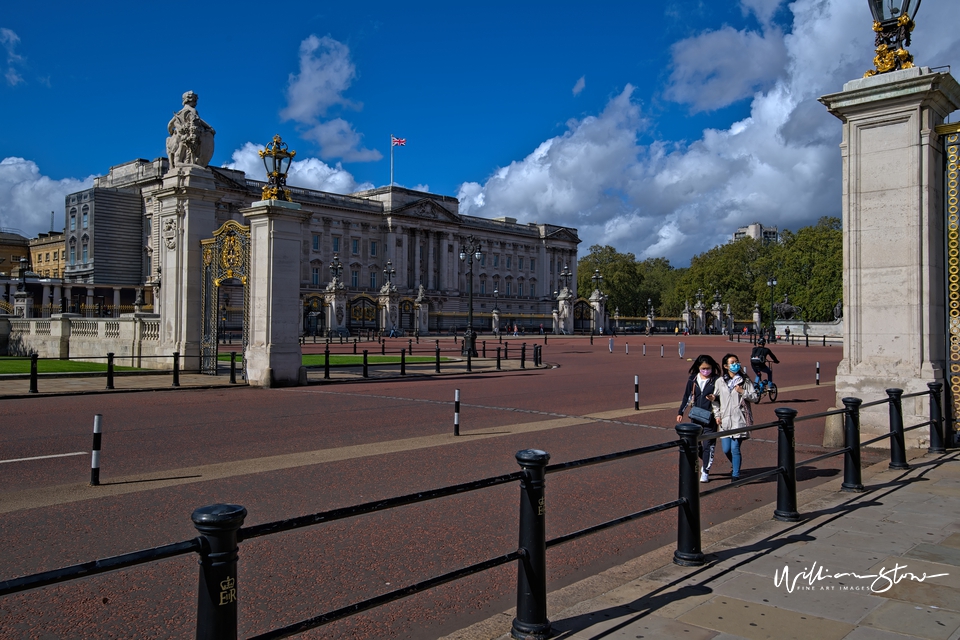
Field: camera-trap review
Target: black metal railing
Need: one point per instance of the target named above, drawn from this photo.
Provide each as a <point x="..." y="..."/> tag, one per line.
<point x="110" y="371"/>
<point x="221" y="526"/>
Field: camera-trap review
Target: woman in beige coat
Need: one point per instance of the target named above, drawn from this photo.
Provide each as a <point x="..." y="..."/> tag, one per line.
<point x="735" y="392"/>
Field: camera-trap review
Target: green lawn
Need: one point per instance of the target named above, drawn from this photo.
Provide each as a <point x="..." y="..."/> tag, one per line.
<point x="15" y="365"/>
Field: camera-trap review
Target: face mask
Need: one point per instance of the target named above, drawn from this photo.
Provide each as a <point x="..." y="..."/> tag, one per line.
<point x="706" y="372"/>
<point x="734" y="367"/>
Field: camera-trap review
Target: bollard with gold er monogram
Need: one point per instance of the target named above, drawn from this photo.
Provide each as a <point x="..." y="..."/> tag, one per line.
<point x="531" y="622"/>
<point x="217" y="594"/>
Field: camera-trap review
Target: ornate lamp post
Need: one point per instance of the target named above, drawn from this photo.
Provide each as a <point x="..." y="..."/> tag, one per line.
<point x="649" y="307"/>
<point x="597" y="280"/>
<point x="336" y="269"/>
<point x="892" y="22"/>
<point x="772" y="282"/>
<point x="616" y="318"/>
<point x="469" y="251"/>
<point x="388" y="273"/>
<point x="496" y="295"/>
<point x="276" y="160"/>
<point x="564" y="276"/>
<point x="22" y="285"/>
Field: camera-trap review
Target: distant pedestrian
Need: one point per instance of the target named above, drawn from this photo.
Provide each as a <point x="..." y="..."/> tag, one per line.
<point x="541" y="328"/>
<point x="701" y="393"/>
<point x="736" y="392"/>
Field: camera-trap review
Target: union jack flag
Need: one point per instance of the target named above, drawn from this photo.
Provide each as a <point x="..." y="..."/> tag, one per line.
<point x="398" y="142"/>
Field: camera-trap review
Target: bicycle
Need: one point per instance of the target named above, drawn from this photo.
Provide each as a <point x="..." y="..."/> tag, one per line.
<point x="766" y="386"/>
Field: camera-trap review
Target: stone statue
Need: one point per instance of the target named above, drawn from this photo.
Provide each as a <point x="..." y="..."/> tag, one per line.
<point x="838" y="310"/>
<point x="786" y="311"/>
<point x="191" y="139"/>
<point x="421" y="295"/>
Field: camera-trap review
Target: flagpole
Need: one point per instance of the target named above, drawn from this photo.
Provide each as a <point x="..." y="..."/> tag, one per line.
<point x="391" y="159"/>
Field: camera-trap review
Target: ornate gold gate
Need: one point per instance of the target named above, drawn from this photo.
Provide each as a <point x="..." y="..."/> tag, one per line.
<point x="951" y="142"/>
<point x="226" y="257"/>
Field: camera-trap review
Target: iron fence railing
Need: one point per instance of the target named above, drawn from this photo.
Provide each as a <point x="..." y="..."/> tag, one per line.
<point x="221" y="525"/>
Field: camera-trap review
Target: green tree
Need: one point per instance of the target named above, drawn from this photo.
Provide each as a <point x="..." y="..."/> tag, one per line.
<point x="809" y="268"/>
<point x="621" y="279"/>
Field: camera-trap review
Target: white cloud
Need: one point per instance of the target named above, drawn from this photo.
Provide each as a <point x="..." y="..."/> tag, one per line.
<point x="763" y="9"/>
<point x="309" y="173"/>
<point x="581" y="83"/>
<point x="27" y="197"/>
<point x="326" y="72"/>
<point x="779" y="166"/>
<point x="717" y="68"/>
<point x="9" y="40"/>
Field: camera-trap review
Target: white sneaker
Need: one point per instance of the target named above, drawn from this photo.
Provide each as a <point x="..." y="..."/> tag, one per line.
<point x="704" y="477"/>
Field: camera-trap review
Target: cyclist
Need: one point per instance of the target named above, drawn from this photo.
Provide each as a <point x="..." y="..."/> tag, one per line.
<point x="758" y="360"/>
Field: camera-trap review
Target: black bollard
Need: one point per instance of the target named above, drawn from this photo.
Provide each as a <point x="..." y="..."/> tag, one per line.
<point x="326" y="362"/>
<point x="469" y="362"/>
<point x="688" y="553"/>
<point x="437" y="370"/>
<point x="591" y="337"/>
<point x="531" y="621"/>
<point x="354" y="346"/>
<point x="483" y="344"/>
<point x="109" y="370"/>
<point x="544" y="338"/>
<point x="176" y="369"/>
<point x="383" y="348"/>
<point x="410" y="346"/>
<point x="498" y="358"/>
<point x="506" y="351"/>
<point x="403" y="362"/>
<point x="851" y="441"/>
<point x="500" y="337"/>
<point x="824" y="340"/>
<point x="786" y="510"/>
<point x="33" y="373"/>
<point x="898" y="449"/>
<point x="95" y="452"/>
<point x="233" y="367"/>
<point x="523" y="355"/>
<point x="936" y="419"/>
<point x="366" y="371"/>
<point x="806" y="340"/>
<point x="217" y="593"/>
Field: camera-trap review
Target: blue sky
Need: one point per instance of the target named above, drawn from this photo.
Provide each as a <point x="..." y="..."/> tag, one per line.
<point x="655" y="127"/>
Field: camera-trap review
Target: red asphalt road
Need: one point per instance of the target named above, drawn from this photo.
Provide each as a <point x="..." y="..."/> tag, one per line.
<point x="288" y="577"/>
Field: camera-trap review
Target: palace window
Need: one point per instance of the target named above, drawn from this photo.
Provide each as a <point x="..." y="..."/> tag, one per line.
<point x="496" y="260"/>
<point x="373" y="248"/>
<point x="509" y="260"/>
<point x="55" y="254"/>
<point x="373" y="279"/>
<point x="520" y="264"/>
<point x="336" y="244"/>
<point x="533" y="265"/>
<point x="355" y="246"/>
<point x="73" y="255"/>
<point x="315" y="275"/>
<point x="533" y="289"/>
<point x="520" y="289"/>
<point x="73" y="222"/>
<point x="509" y="289"/>
<point x="483" y="259"/>
<point x="316" y="242"/>
<point x="483" y="286"/>
<point x="85" y="253"/>
<point x="86" y="213"/>
<point x="355" y="279"/>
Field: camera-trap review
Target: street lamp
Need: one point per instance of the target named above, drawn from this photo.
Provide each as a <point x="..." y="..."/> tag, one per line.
<point x="336" y="269"/>
<point x="388" y="273"/>
<point x="772" y="282"/>
<point x="616" y="318"/>
<point x="565" y="275"/>
<point x="597" y="280"/>
<point x="22" y="285"/>
<point x="469" y="251"/>
<point x="496" y="294"/>
<point x="276" y="160"/>
<point x="892" y="22"/>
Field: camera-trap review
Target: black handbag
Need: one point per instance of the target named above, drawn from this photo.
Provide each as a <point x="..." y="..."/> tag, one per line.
<point x="700" y="416"/>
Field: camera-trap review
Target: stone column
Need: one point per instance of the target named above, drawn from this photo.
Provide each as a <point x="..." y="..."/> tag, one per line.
<point x="273" y="356"/>
<point x="57" y="295"/>
<point x="756" y="318"/>
<point x="187" y="215"/>
<point x="67" y="291"/>
<point x="598" y="304"/>
<point x="45" y="307"/>
<point x="91" y="302"/>
<point x="893" y="270"/>
<point x="116" y="302"/>
<point x="335" y="297"/>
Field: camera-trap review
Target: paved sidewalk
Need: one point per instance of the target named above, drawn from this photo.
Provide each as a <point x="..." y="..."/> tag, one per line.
<point x="904" y="525"/>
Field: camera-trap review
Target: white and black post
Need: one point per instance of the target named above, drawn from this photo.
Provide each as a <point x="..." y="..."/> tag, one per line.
<point x="636" y="393"/>
<point x="818" y="373"/>
<point x="95" y="457"/>
<point x="456" y="412"/>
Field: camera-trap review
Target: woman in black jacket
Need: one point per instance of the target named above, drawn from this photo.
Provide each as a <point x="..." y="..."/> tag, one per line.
<point x="701" y="392"/>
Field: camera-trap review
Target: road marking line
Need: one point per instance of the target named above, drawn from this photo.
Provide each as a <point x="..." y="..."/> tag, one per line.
<point x="56" y="455"/>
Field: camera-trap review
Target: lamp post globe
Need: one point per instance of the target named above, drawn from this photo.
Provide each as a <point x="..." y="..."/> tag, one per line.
<point x="469" y="250"/>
